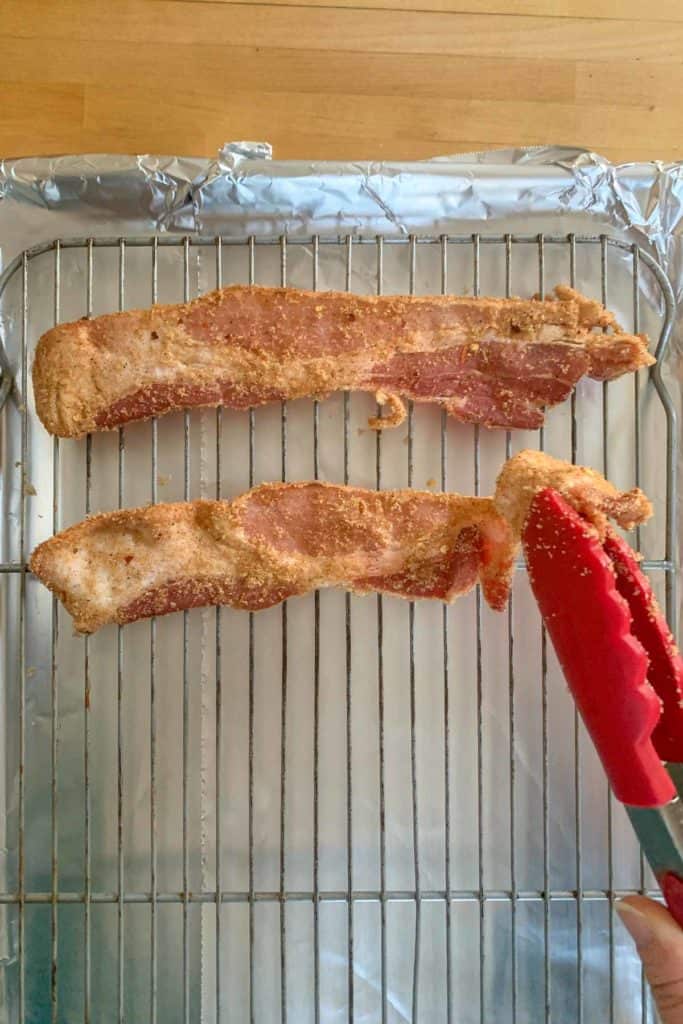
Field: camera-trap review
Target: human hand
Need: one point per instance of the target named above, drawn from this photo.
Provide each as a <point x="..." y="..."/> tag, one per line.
<point x="659" y="941"/>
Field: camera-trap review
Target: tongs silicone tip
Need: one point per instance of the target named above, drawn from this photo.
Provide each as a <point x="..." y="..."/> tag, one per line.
<point x="648" y="625"/>
<point x="589" y="622"/>
<point x="622" y="667"/>
<point x="672" y="890"/>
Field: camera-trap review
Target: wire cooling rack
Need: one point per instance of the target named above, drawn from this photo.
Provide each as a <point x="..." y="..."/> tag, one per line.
<point x="342" y="808"/>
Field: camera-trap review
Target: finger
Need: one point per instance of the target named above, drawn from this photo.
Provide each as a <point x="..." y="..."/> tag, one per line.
<point x="659" y="942"/>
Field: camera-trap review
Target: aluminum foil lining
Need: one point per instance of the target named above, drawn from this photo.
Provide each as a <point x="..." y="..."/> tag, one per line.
<point x="245" y="192"/>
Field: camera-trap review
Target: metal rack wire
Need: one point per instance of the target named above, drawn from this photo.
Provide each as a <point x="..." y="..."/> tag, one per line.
<point x="193" y="997"/>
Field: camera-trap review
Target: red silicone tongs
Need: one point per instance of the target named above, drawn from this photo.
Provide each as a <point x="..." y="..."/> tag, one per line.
<point x="623" y="670"/>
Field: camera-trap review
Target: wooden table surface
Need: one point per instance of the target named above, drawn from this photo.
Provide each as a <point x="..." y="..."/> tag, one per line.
<point x="349" y="79"/>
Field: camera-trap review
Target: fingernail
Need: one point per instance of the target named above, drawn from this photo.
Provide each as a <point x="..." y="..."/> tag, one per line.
<point x="635" y="922"/>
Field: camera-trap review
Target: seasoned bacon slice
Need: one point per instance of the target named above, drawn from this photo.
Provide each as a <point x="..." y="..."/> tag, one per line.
<point x="273" y="542"/>
<point x="596" y="499"/>
<point x="280" y="540"/>
<point x="498" y="362"/>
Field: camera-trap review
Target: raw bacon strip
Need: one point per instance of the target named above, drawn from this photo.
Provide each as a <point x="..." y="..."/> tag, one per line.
<point x="272" y="543"/>
<point x="280" y="540"/>
<point x="498" y="362"/>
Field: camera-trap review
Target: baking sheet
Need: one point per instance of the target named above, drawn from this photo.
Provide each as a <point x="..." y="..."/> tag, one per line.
<point x="505" y="835"/>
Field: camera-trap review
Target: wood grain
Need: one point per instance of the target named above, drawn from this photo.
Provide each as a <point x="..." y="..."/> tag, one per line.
<point x="341" y="79"/>
<point x="633" y="10"/>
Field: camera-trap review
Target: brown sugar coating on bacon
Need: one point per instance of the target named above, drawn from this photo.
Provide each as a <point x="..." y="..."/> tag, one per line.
<point x="272" y="543"/>
<point x="529" y="472"/>
<point x="497" y="362"/>
<point x="280" y="540"/>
